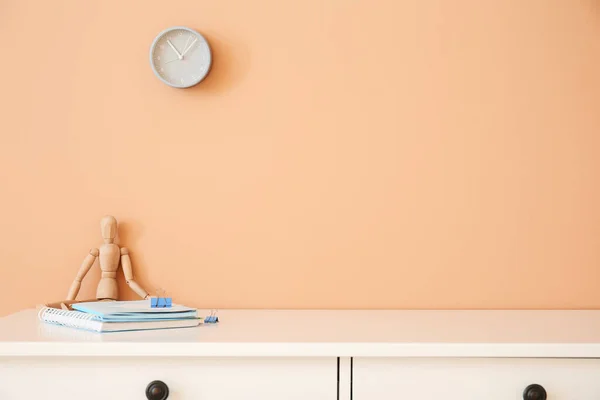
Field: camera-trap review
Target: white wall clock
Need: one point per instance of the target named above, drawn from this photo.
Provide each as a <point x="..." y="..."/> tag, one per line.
<point x="180" y="57"/>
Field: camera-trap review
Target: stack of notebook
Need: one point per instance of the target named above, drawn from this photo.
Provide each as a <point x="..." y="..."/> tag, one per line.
<point x="118" y="316"/>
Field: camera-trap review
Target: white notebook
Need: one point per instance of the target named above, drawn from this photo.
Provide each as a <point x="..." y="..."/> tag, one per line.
<point x="91" y="322"/>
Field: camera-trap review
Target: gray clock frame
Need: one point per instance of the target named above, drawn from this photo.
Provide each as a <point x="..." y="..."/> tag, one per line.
<point x="185" y="28"/>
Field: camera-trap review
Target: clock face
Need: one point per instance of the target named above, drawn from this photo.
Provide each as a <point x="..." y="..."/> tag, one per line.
<point x="180" y="57"/>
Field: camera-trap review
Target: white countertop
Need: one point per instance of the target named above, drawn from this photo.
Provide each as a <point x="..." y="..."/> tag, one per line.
<point x="326" y="333"/>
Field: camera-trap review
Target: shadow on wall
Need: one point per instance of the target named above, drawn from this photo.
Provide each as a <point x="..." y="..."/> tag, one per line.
<point x="594" y="6"/>
<point x="230" y="64"/>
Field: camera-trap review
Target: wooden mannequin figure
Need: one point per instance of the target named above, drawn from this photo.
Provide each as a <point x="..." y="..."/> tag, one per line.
<point x="109" y="257"/>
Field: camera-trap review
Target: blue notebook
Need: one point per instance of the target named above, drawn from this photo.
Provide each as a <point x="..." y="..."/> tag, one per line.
<point x="138" y="310"/>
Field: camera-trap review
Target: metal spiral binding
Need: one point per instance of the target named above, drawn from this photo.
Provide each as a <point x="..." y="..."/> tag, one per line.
<point x="73" y="319"/>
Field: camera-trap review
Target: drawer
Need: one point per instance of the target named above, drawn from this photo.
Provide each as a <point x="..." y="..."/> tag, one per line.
<point x="96" y="378"/>
<point x="474" y="378"/>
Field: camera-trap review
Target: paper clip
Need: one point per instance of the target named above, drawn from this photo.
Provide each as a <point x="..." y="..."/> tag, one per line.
<point x="160" y="301"/>
<point x="212" y="318"/>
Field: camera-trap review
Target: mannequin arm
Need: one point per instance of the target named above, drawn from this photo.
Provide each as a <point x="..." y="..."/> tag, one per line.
<point x="83" y="270"/>
<point x="128" y="271"/>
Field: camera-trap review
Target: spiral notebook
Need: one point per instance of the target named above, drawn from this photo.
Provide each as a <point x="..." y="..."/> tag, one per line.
<point x="95" y="323"/>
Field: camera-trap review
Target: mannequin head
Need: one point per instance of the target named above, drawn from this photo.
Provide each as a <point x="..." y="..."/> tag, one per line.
<point x="108" y="226"/>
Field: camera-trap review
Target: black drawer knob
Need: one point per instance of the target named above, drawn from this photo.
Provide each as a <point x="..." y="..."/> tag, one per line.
<point x="534" y="392"/>
<point x="157" y="390"/>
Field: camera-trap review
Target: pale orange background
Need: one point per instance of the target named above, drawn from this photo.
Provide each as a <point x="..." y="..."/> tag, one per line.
<point x="341" y="154"/>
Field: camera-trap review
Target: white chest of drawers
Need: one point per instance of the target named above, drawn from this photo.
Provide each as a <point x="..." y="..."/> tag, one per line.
<point x="316" y="355"/>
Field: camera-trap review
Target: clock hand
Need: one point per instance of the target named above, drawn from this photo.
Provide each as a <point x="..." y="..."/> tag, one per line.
<point x="177" y="59"/>
<point x="174" y="49"/>
<point x="188" y="49"/>
<point x="186" y="42"/>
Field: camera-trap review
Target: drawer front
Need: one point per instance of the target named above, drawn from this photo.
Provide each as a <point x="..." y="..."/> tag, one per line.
<point x="474" y="379"/>
<point x="194" y="379"/>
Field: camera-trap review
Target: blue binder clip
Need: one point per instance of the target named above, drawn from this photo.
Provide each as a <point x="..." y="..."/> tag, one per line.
<point x="212" y="318"/>
<point x="160" y="301"/>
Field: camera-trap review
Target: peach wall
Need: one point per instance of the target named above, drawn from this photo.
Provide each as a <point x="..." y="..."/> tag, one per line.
<point x="342" y="153"/>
